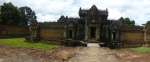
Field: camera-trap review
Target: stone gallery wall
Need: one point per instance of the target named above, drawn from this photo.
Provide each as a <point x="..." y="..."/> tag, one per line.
<point x="132" y="39"/>
<point x="13" y="31"/>
<point x="52" y="33"/>
<point x="132" y="36"/>
<point x="148" y="33"/>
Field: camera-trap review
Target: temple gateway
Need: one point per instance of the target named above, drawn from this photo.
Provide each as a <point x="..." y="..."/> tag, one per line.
<point x="92" y="25"/>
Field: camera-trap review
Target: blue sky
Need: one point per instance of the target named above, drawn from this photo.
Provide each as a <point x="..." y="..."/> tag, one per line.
<point x="51" y="10"/>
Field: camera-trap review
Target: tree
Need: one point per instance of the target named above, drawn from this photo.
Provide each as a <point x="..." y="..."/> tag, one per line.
<point x="148" y="22"/>
<point x="27" y="15"/>
<point x="10" y="14"/>
<point x="129" y="22"/>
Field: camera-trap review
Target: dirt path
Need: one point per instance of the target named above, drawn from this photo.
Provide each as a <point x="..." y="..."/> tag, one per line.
<point x="94" y="53"/>
<point x="20" y="54"/>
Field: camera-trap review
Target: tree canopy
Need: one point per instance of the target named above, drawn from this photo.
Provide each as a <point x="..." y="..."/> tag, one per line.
<point x="129" y="21"/>
<point x="12" y="15"/>
<point x="148" y="22"/>
<point x="27" y="15"/>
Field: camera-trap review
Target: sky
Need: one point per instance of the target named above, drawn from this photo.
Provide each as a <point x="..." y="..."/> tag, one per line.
<point x="51" y="10"/>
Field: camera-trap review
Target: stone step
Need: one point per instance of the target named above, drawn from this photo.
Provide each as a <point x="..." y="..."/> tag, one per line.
<point x="92" y="41"/>
<point x="93" y="45"/>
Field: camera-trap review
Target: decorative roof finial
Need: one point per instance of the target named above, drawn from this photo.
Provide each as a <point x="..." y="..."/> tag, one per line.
<point x="94" y="7"/>
<point x="106" y="9"/>
<point x="80" y="8"/>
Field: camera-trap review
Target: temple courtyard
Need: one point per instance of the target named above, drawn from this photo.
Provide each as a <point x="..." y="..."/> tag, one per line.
<point x="92" y="53"/>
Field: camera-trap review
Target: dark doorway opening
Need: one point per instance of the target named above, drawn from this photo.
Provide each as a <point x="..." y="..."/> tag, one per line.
<point x="93" y="32"/>
<point x="114" y="35"/>
<point x="70" y="33"/>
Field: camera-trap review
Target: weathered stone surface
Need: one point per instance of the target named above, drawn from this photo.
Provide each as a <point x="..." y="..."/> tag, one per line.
<point x="94" y="54"/>
<point x="73" y="43"/>
<point x="13" y="31"/>
<point x="19" y="54"/>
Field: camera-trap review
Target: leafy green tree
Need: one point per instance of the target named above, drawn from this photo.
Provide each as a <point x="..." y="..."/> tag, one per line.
<point x="10" y="14"/>
<point x="129" y="22"/>
<point x="27" y="15"/>
<point x="132" y="22"/>
<point x="148" y="22"/>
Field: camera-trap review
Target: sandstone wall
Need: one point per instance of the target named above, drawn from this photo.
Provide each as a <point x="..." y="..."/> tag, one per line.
<point x="148" y="34"/>
<point x="14" y="31"/>
<point x="132" y="36"/>
<point x="51" y="33"/>
<point x="132" y="39"/>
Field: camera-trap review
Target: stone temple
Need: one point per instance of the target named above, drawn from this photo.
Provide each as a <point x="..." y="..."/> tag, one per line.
<point x="92" y="25"/>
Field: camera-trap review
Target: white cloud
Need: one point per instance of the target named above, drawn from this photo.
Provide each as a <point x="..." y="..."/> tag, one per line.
<point x="50" y="10"/>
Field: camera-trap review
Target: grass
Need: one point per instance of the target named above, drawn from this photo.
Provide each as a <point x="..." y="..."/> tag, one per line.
<point x="19" y="42"/>
<point x="141" y="49"/>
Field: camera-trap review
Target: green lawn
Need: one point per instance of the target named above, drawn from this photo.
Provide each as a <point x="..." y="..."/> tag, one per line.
<point x="19" y="42"/>
<point x="141" y="49"/>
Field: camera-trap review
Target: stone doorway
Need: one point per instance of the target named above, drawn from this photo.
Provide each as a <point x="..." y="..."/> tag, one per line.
<point x="114" y="35"/>
<point x="93" y="33"/>
<point x="70" y="34"/>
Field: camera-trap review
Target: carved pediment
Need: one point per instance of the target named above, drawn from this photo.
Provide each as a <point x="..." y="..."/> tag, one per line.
<point x="70" y="25"/>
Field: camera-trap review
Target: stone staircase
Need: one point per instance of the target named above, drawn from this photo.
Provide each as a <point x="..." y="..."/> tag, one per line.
<point x="92" y="41"/>
<point x="93" y="45"/>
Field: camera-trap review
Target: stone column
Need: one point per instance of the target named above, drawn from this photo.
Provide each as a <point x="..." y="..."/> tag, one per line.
<point x="111" y="35"/>
<point x="145" y="35"/>
<point x="65" y="32"/>
<point x="97" y="33"/>
<point x="86" y="32"/>
<point x="3" y="32"/>
<point x="34" y="33"/>
<point x="73" y="35"/>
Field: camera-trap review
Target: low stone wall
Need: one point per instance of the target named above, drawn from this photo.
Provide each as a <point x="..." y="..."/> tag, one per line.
<point x="132" y="36"/>
<point x="74" y="43"/>
<point x="51" y="33"/>
<point x="52" y="41"/>
<point x="14" y="31"/>
<point x="133" y="44"/>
